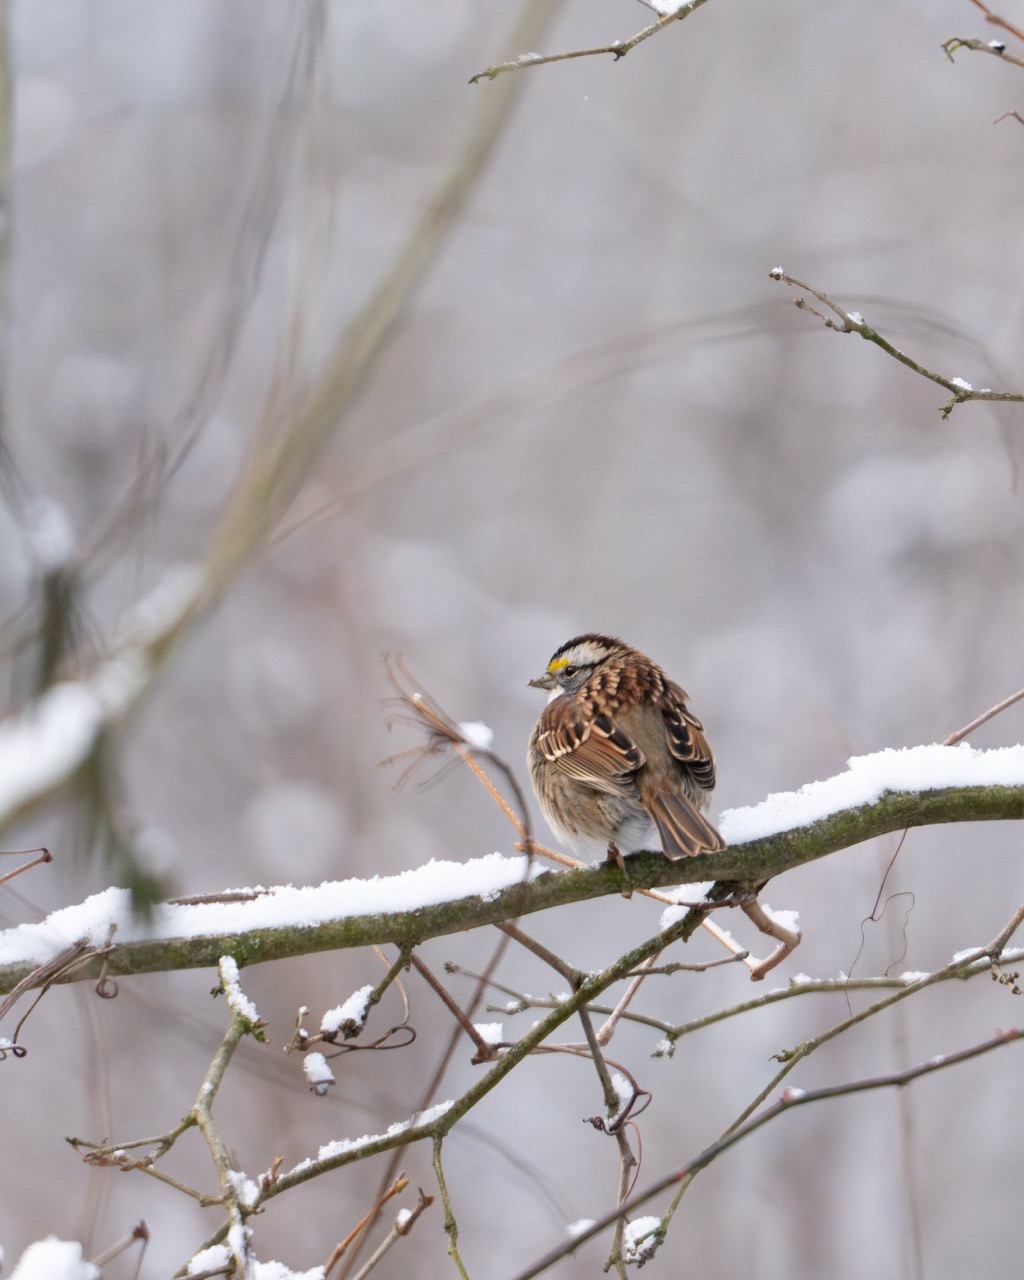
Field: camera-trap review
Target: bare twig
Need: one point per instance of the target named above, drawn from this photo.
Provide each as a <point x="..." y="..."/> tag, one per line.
<point x="961" y="967"/>
<point x="960" y="734"/>
<point x="483" y="1049"/>
<point x="451" y="1225"/>
<point x="139" y="1233"/>
<point x="998" y="21"/>
<point x="562" y="967"/>
<point x="44" y="856"/>
<point x="444" y="734"/>
<point x="61" y="968"/>
<point x="788" y="939"/>
<point x="396" y="1188"/>
<point x="997" y="946"/>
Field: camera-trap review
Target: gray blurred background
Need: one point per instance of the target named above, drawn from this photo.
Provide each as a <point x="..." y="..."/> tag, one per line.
<point x="599" y="413"/>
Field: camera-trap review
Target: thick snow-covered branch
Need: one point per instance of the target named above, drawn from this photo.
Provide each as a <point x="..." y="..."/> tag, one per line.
<point x="884" y="792"/>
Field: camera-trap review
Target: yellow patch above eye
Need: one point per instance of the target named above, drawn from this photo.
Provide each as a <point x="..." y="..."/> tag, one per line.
<point x="556" y="664"/>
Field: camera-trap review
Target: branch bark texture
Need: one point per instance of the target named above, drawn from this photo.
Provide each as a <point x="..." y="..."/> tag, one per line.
<point x="747" y="865"/>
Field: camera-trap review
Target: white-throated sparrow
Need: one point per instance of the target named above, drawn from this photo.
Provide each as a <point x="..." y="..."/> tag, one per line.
<point x="616" y="754"/>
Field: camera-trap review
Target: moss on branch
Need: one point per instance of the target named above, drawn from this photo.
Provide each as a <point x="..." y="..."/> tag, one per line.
<point x="750" y="863"/>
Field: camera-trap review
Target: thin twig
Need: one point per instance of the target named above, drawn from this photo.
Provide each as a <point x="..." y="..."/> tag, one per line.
<point x="998" y="21"/>
<point x="627" y="1161"/>
<point x="451" y="1225"/>
<point x="996" y="947"/>
<point x="960" y="734"/>
<point x="790" y="1099"/>
<point x="853" y="322"/>
<point x="44" y="856"/>
<point x="140" y="1232"/>
<point x="996" y="48"/>
<point x="199" y="1116"/>
<point x="396" y="1188"/>
<point x="483" y="1050"/>
<point x="403" y="1224"/>
<point x="607" y="1030"/>
<point x="44" y="976"/>
<point x="618" y="48"/>
<point x="788" y="939"/>
<point x="562" y="967"/>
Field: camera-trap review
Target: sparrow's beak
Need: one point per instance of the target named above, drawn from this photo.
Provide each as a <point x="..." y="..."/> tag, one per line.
<point x="546" y="681"/>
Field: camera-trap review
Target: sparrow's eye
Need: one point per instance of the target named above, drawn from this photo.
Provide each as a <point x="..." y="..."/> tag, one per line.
<point x="569" y="672"/>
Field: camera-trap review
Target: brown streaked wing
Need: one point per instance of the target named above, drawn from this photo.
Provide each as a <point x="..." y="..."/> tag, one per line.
<point x="598" y="753"/>
<point x="686" y="738"/>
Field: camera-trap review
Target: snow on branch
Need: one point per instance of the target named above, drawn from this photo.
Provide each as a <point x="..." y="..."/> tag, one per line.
<point x="886" y="791"/>
<point x="867" y="779"/>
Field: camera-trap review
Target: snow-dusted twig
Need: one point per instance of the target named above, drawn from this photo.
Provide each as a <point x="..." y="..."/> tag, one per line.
<point x="827" y="986"/>
<point x="439" y="1120"/>
<point x="617" y="49"/>
<point x="243" y="1197"/>
<point x="997" y="21"/>
<point x="748" y="1122"/>
<point x="994" y="47"/>
<point x="618" y="1110"/>
<point x="790" y="1099"/>
<point x="400" y="1228"/>
<point x="843" y="321"/>
<point x="237" y="1193"/>
<point x="520" y="1002"/>
<point x="433" y="1084"/>
<point x="791" y="1057"/>
<point x="348" y="1019"/>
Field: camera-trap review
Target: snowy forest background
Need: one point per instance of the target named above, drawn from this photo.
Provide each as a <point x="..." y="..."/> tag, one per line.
<point x="597" y="412"/>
